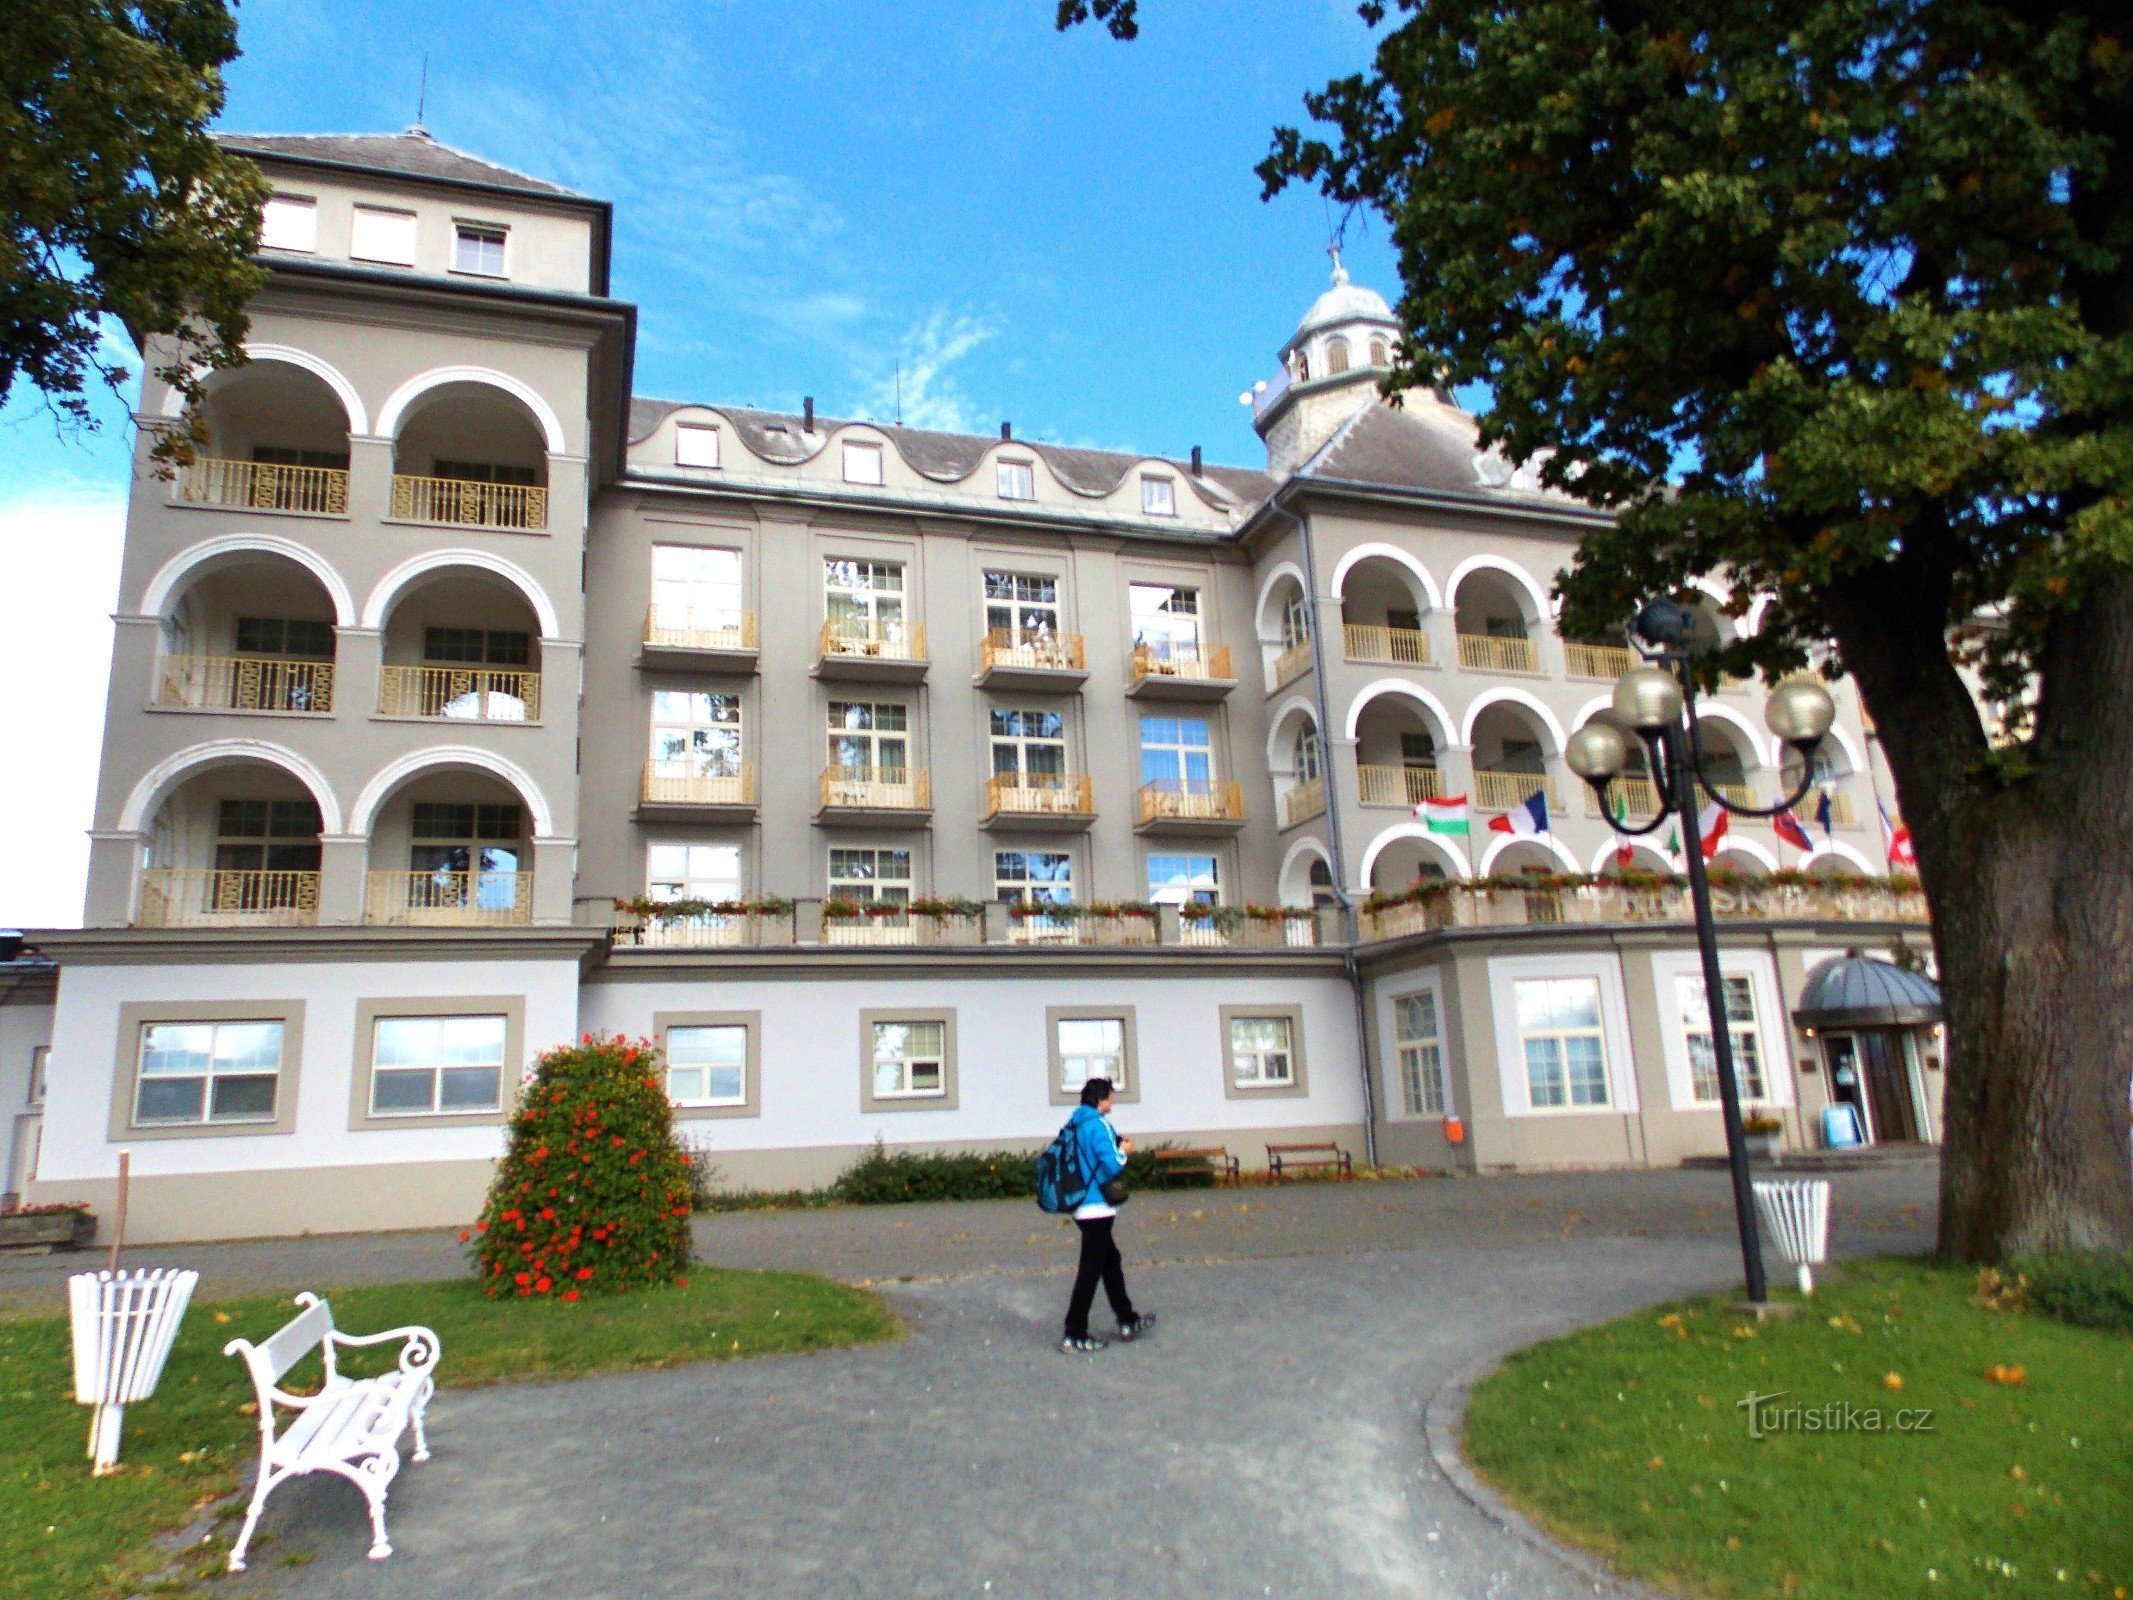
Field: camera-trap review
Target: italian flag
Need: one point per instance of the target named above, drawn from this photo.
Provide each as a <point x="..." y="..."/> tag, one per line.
<point x="1446" y="815"/>
<point x="1713" y="824"/>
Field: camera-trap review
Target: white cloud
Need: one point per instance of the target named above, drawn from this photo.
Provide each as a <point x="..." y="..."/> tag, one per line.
<point x="931" y="396"/>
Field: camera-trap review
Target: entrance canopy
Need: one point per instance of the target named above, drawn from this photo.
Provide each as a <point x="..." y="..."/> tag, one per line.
<point x="1859" y="991"/>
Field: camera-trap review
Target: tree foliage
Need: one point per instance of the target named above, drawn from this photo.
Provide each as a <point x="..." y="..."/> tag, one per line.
<point x="118" y="204"/>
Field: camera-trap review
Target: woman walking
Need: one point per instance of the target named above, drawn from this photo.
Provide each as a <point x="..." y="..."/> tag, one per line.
<point x="1103" y="1159"/>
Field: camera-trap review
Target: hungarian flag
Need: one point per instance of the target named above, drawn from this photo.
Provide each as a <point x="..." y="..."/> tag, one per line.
<point x="1787" y="827"/>
<point x="1901" y="852"/>
<point x="1445" y="815"/>
<point x="1714" y="822"/>
<point x="1532" y="817"/>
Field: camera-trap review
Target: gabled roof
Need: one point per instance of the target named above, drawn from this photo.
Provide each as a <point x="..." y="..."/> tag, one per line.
<point x="413" y="153"/>
<point x="1422" y="443"/>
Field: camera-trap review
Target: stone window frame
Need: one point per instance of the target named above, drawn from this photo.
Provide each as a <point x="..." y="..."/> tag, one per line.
<point x="135" y="1015"/>
<point x="1430" y="981"/>
<point x="751" y="1103"/>
<point x="951" y="1086"/>
<point x="370" y="1010"/>
<point x="1054" y="1015"/>
<point x="1298" y="1086"/>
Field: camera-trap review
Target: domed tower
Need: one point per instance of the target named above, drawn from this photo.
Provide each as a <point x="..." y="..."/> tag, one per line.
<point x="1330" y="370"/>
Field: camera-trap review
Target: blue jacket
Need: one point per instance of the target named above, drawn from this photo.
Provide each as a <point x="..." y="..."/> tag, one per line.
<point x="1098" y="1148"/>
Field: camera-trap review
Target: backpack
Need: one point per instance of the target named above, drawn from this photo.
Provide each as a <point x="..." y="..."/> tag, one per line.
<point x="1061" y="1184"/>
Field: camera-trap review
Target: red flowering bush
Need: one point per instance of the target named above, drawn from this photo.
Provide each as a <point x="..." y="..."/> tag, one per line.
<point x="592" y="1196"/>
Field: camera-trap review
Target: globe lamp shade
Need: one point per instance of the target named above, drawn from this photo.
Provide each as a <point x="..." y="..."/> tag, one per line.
<point x="1597" y="752"/>
<point x="1800" y="712"/>
<point x="1648" y="699"/>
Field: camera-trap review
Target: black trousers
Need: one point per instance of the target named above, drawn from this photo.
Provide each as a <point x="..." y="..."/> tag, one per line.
<point x="1099" y="1262"/>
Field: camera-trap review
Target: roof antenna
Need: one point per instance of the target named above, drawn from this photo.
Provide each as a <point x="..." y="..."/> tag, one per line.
<point x="422" y="97"/>
<point x="899" y="394"/>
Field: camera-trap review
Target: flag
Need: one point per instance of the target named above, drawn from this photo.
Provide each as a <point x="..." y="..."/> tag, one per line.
<point x="1787" y="827"/>
<point x="1826" y="815"/>
<point x="1445" y="815"/>
<point x="1625" y="855"/>
<point x="1529" y="818"/>
<point x="1673" y="841"/>
<point x="1901" y="851"/>
<point x="1713" y="824"/>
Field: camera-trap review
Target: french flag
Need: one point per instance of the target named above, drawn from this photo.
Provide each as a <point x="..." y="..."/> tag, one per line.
<point x="1530" y="818"/>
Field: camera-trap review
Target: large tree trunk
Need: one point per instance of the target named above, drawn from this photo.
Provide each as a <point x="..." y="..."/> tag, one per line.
<point x="2030" y="879"/>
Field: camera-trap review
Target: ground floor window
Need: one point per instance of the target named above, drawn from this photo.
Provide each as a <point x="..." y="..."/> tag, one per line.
<point x="1262" y="1051"/>
<point x="1560" y="1034"/>
<point x="708" y="1065"/>
<point x="1090" y="1047"/>
<point x="910" y="1059"/>
<point x="1419" y="1048"/>
<point x="1695" y="1013"/>
<point x="431" y="1066"/>
<point x="207" y="1073"/>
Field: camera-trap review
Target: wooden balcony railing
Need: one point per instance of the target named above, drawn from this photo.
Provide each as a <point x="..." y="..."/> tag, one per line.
<point x="1468" y="905"/>
<point x="877" y="788"/>
<point x="1597" y="660"/>
<point x="1399" y="786"/>
<point x="469" y="505"/>
<point x="264" y="486"/>
<point x="903" y="928"/>
<point x="244" y="683"/>
<point x="1209" y="663"/>
<point x="1740" y="794"/>
<point x="1485" y="652"/>
<point x="1192" y="802"/>
<point x="1040" y="794"/>
<point x="679" y="628"/>
<point x="1037" y="652"/>
<point x="450" y="899"/>
<point x="1303" y="801"/>
<point x="1210" y="930"/>
<point x="1081" y="929"/>
<point x="460" y="694"/>
<point x="189" y="897"/>
<point x="672" y="784"/>
<point x="875" y="641"/>
<point x="1292" y="662"/>
<point x="1635" y="799"/>
<point x="1405" y="647"/>
<point x="1502" y="791"/>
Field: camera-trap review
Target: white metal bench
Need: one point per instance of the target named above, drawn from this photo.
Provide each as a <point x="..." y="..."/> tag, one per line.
<point x="352" y="1426"/>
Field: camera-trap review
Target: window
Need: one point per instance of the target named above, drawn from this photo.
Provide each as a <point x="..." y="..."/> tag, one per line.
<point x="865" y="737"/>
<point x="482" y="839"/>
<point x="286" y="496"/>
<point x="1741" y="1028"/>
<point x="289" y="222"/>
<point x="285" y="636"/>
<point x="436" y="1066"/>
<point x="862" y="463"/>
<point x="910" y="1059"/>
<point x="1029" y="747"/>
<point x="1308" y="759"/>
<point x="1262" y="1051"/>
<point x="40" y="1061"/>
<point x="708" y="1065"/>
<point x="882" y="876"/>
<point x="204" y="1073"/>
<point x="380" y="235"/>
<point x="265" y="836"/>
<point x="1159" y="495"/>
<point x="1034" y="876"/>
<point x="1418" y="752"/>
<point x="1166" y="620"/>
<point x="1295" y="621"/>
<point x="696" y="590"/>
<point x="1380" y="353"/>
<point x="709" y="872"/>
<point x="1184" y="880"/>
<point x="1336" y="355"/>
<point x="1176" y="755"/>
<point x="1017" y="480"/>
<point x="492" y="647"/>
<point x="482" y="472"/>
<point x="1322" y="895"/>
<point x="696" y="735"/>
<point x="1419" y="1049"/>
<point x="1089" y="1047"/>
<point x="478" y="247"/>
<point x="1022" y="606"/>
<point x="864" y="599"/>
<point x="695" y="445"/>
<point x="1559" y="1034"/>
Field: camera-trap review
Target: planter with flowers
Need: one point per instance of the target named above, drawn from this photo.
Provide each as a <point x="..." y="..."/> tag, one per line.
<point x="645" y="921"/>
<point x="39" y="1230"/>
<point x="1765" y="1132"/>
<point x="1101" y="922"/>
<point x="892" y="922"/>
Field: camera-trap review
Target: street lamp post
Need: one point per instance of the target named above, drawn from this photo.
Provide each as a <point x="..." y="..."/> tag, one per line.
<point x="1658" y="701"/>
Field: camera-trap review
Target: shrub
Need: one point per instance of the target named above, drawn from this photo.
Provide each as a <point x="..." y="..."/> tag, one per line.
<point x="592" y="1196"/>
<point x="2090" y="1289"/>
<point x="885" y="1177"/>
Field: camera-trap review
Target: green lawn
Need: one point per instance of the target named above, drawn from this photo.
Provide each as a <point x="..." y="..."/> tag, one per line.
<point x="1629" y="1439"/>
<point x="65" y="1535"/>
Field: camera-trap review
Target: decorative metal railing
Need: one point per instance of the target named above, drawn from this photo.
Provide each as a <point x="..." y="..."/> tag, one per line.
<point x="672" y="784"/>
<point x="1597" y="660"/>
<point x="1209" y="663"/>
<point x="877" y="788"/>
<point x="244" y="683"/>
<point x="1504" y="791"/>
<point x="1486" y="652"/>
<point x="1192" y="802"/>
<point x="460" y="694"/>
<point x="680" y="628"/>
<point x="1040" y="794"/>
<point x="468" y="504"/>
<point x="1039" y="652"/>
<point x="450" y="899"/>
<point x="874" y="641"/>
<point x="1398" y="786"/>
<point x="192" y="897"/>
<point x="1303" y="801"/>
<point x="1404" y="647"/>
<point x="264" y="486"/>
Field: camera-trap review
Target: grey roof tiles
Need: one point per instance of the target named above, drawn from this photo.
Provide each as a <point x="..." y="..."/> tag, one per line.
<point x="414" y="153"/>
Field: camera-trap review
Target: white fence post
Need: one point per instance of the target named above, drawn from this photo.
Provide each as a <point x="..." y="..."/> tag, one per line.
<point x="1796" y="1213"/>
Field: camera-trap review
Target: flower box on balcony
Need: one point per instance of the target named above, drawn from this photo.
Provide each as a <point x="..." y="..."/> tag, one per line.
<point x="40" y="1230"/>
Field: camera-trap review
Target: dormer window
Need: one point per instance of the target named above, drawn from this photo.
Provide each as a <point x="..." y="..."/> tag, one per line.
<point x="289" y="222"/>
<point x="862" y="463"/>
<point x="478" y="248"/>
<point x="1017" y="480"/>
<point x="695" y="445"/>
<point x="384" y="236"/>
<point x="1336" y="355"/>
<point x="1159" y="495"/>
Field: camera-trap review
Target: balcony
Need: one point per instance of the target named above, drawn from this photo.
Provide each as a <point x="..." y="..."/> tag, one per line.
<point x="186" y="897"/>
<point x="1292" y="663"/>
<point x="1253" y="928"/>
<point x="449" y="899"/>
<point x="1506" y="791"/>
<point x="1303" y="802"/>
<point x="464" y="503"/>
<point x="1040" y="800"/>
<point x="1605" y="662"/>
<point x="1406" y="787"/>
<point x="1045" y="662"/>
<point x="1080" y="927"/>
<point x="1399" y="647"/>
<point x="751" y="927"/>
<point x="858" y="796"/>
<point x="1181" y="672"/>
<point x="1488" y="652"/>
<point x="855" y="922"/>
<point x="1634" y="799"/>
<point x="671" y="793"/>
<point x="264" y="486"/>
<point x="1202" y="808"/>
<point x="1470" y="905"/>
<point x="460" y="694"/>
<point x="878" y="652"/>
<point x="245" y="683"/>
<point x="724" y="642"/>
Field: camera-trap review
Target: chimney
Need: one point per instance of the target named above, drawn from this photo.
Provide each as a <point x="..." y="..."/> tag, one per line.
<point x="1007" y="430"/>
<point x="807" y="410"/>
<point x="1197" y="463"/>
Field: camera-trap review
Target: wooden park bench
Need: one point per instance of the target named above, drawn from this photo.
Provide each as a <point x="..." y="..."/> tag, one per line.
<point x="352" y="1426"/>
<point x="1213" y="1159"/>
<point x="1281" y="1157"/>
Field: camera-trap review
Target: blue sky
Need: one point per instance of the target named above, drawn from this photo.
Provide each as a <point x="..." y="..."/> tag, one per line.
<point x="1058" y="230"/>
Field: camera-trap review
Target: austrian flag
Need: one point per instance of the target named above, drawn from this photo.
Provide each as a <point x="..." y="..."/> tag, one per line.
<point x="1532" y="817"/>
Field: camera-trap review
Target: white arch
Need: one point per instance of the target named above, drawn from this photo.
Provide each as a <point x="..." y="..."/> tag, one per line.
<point x="140" y="808"/>
<point x="1715" y="711"/>
<point x="382" y="597"/>
<point x="1285" y="569"/>
<point x="1446" y="722"/>
<point x="1510" y="569"/>
<point x="1833" y="847"/>
<point x="395" y="408"/>
<point x="1605" y="857"/>
<point x="1411" y="830"/>
<point x="1388" y="552"/>
<point x="1302" y="847"/>
<point x="1547" y="841"/>
<point x="1276" y="724"/>
<point x="1747" y="847"/>
<point x="1508" y="695"/>
<point x="1851" y="749"/>
<point x="165" y="583"/>
<point x="344" y="391"/>
<point x="1590" y="709"/>
<point x="394" y="773"/>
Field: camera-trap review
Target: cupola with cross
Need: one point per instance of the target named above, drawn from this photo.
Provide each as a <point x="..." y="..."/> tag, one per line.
<point x="1330" y="370"/>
